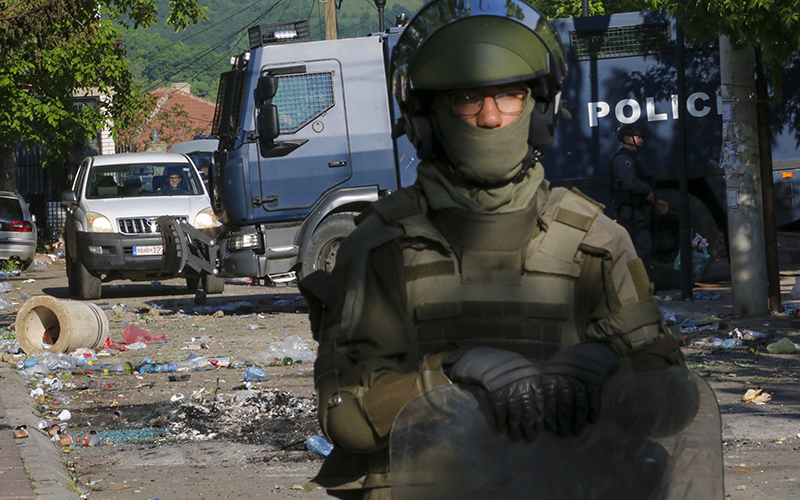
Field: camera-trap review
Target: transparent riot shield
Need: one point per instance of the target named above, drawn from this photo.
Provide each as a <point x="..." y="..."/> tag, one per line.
<point x="658" y="438"/>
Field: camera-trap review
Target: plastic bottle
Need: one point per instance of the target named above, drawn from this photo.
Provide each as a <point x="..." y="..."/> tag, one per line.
<point x="164" y="368"/>
<point x="319" y="445"/>
<point x="146" y="368"/>
<point x="118" y="369"/>
<point x="255" y="374"/>
<point x="61" y="400"/>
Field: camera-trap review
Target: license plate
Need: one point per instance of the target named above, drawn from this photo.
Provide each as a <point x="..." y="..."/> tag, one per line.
<point x="150" y="250"/>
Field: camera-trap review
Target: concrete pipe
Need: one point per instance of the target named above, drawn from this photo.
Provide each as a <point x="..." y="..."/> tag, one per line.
<point x="45" y="323"/>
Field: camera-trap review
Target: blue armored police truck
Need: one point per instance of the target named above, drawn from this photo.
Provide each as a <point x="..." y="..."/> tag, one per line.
<point x="305" y="142"/>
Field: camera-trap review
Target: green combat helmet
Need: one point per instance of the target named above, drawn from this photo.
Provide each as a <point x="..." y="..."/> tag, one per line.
<point x="457" y="44"/>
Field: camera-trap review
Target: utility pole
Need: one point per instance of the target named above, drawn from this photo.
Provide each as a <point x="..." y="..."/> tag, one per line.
<point x="331" y="26"/>
<point x="740" y="159"/>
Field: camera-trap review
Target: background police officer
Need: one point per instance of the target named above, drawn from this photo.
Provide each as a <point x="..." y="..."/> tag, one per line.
<point x="632" y="190"/>
<point x="479" y="274"/>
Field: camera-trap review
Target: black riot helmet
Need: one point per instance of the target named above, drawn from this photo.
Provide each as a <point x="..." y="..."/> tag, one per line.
<point x="630" y="129"/>
<point x="460" y="44"/>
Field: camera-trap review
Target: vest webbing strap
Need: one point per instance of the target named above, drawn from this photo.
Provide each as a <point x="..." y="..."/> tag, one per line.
<point x="557" y="251"/>
<point x="430" y="269"/>
<point x="486" y="308"/>
<point x="612" y="297"/>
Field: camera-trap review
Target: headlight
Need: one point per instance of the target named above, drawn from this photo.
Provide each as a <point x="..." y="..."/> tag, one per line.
<point x="243" y="241"/>
<point x="205" y="219"/>
<point x="98" y="223"/>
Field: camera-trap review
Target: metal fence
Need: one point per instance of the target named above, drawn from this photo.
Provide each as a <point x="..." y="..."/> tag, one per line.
<point x="42" y="187"/>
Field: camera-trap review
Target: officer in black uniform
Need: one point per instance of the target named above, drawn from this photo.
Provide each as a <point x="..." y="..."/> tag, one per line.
<point x="632" y="190"/>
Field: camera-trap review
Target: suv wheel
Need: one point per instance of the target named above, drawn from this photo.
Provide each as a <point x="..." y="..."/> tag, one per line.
<point x="213" y="284"/>
<point x="88" y="285"/>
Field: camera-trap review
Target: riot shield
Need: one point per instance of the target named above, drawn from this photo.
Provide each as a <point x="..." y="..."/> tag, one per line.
<point x="659" y="438"/>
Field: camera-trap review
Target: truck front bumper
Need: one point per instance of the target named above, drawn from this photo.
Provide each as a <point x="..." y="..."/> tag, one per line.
<point x="104" y="252"/>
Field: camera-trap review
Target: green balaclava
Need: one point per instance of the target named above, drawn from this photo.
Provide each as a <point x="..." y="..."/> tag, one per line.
<point x="486" y="157"/>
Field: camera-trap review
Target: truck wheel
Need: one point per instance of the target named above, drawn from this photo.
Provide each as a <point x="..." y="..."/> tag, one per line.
<point x="666" y="239"/>
<point x="324" y="243"/>
<point x="213" y="284"/>
<point x="192" y="282"/>
<point x="89" y="286"/>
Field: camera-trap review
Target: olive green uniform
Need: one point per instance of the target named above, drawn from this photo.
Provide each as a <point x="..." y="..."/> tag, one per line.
<point x="413" y="282"/>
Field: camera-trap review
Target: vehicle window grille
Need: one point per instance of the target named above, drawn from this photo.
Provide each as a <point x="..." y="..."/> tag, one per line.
<point x="302" y="98"/>
<point x="142" y="225"/>
<point x="620" y="41"/>
<point x="784" y="196"/>
<point x="230" y="103"/>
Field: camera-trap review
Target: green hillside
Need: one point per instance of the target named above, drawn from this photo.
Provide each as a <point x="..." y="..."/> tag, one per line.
<point x="159" y="56"/>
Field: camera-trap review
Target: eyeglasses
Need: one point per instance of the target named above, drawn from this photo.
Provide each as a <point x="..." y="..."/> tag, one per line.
<point x="174" y="178"/>
<point x="469" y="104"/>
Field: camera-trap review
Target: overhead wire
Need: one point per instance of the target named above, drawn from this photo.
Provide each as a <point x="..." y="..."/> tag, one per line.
<point x="204" y="30"/>
<point x="240" y="33"/>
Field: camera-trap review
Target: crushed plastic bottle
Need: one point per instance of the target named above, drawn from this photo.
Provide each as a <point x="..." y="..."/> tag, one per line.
<point x="255" y="374"/>
<point x="193" y="362"/>
<point x="61" y="400"/>
<point x="118" y="369"/>
<point x="5" y="305"/>
<point x="56" y="361"/>
<point x="293" y="347"/>
<point x="5" y="287"/>
<point x="319" y="445"/>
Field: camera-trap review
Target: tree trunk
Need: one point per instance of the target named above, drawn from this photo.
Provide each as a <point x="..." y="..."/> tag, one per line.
<point x="740" y="159"/>
<point x="8" y="166"/>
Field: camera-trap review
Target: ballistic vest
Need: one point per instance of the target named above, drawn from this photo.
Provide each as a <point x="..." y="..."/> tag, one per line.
<point x="619" y="193"/>
<point x="499" y="280"/>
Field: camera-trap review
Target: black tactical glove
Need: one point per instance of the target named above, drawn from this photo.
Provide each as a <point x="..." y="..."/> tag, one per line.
<point x="573" y="380"/>
<point x="512" y="382"/>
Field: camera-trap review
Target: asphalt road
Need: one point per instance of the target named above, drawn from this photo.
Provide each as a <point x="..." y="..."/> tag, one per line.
<point x="195" y="448"/>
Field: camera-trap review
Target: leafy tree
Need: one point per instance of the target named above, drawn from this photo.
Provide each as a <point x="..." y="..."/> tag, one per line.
<point x="771" y="26"/>
<point x="63" y="77"/>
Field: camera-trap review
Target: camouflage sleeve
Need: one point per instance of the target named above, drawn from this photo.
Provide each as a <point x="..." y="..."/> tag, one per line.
<point x="361" y="385"/>
<point x="624" y="171"/>
<point x="614" y="301"/>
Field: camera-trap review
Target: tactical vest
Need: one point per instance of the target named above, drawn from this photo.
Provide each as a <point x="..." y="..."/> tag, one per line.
<point x="619" y="193"/>
<point x="493" y="280"/>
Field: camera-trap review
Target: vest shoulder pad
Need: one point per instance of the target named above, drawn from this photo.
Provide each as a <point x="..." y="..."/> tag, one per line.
<point x="399" y="205"/>
<point x="570" y="207"/>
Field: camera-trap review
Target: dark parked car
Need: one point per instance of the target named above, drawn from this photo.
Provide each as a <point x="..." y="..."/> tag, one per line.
<point x="18" y="232"/>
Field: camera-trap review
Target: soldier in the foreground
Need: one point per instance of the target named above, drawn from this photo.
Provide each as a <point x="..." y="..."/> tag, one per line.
<point x="479" y="273"/>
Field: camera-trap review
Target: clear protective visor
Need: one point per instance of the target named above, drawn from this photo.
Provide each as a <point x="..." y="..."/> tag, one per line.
<point x="491" y="53"/>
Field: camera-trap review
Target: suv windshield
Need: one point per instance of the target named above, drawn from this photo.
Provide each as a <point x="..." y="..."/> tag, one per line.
<point x="157" y="179"/>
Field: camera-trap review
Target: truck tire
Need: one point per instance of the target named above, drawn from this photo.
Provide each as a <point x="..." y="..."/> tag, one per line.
<point x="666" y="239"/>
<point x="324" y="243"/>
<point x="72" y="273"/>
<point x="193" y="282"/>
<point x="88" y="285"/>
<point x="213" y="284"/>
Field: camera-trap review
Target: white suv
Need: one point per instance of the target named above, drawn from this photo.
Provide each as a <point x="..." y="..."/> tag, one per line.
<point x="111" y="231"/>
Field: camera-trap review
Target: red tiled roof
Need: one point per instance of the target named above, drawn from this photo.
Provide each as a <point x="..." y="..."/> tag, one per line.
<point x="200" y="115"/>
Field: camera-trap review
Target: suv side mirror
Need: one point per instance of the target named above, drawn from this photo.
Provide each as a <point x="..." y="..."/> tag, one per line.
<point x="68" y="197"/>
<point x="266" y="88"/>
<point x="269" y="127"/>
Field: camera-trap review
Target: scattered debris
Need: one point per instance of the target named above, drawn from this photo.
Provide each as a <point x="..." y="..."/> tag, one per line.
<point x="757" y="396"/>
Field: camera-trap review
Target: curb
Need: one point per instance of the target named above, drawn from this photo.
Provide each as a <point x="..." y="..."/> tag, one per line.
<point x="41" y="459"/>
